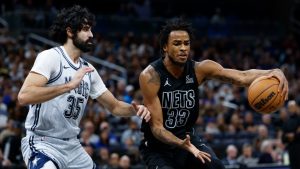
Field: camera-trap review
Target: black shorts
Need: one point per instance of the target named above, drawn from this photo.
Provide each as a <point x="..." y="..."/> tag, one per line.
<point x="157" y="157"/>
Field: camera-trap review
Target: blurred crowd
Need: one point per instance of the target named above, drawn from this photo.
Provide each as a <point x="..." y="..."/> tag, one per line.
<point x="238" y="134"/>
<point x="226" y="122"/>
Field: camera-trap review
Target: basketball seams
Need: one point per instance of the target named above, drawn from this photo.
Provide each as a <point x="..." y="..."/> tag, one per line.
<point x="271" y="103"/>
<point x="263" y="92"/>
<point x="263" y="95"/>
<point x="256" y="81"/>
<point x="266" y="108"/>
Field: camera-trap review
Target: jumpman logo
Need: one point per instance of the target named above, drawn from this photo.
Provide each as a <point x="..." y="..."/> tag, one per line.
<point x="167" y="83"/>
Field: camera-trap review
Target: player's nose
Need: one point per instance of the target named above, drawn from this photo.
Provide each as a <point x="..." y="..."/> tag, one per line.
<point x="90" y="34"/>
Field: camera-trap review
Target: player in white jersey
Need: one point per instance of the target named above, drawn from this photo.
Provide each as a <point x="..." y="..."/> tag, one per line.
<point x="57" y="89"/>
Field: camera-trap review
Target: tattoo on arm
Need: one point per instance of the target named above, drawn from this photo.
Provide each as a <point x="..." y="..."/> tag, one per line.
<point x="166" y="137"/>
<point x="231" y="80"/>
<point x="154" y="77"/>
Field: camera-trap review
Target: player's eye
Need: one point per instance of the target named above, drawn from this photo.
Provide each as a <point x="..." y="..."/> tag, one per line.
<point x="187" y="43"/>
<point x="86" y="28"/>
<point x="176" y="43"/>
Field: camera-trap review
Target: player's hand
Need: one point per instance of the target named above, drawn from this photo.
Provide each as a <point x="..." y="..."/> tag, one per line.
<point x="142" y="111"/>
<point x="283" y="83"/>
<point x="201" y="155"/>
<point x="78" y="76"/>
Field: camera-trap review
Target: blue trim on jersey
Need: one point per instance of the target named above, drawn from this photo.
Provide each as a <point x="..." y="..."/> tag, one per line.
<point x="36" y="117"/>
<point x="58" y="75"/>
<point x="90" y="77"/>
<point x="56" y="50"/>
<point x="31" y="144"/>
<point x="63" y="54"/>
<point x="89" y="74"/>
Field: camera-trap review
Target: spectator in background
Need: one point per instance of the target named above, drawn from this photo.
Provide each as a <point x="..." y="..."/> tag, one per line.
<point x="120" y="89"/>
<point x="102" y="160"/>
<point x="291" y="134"/>
<point x="266" y="152"/>
<point x="131" y="136"/>
<point x="89" y="149"/>
<point x="10" y="143"/>
<point x="4" y="162"/>
<point x="249" y="124"/>
<point x="267" y="121"/>
<point x="89" y="128"/>
<point x="247" y="157"/>
<point x="142" y="8"/>
<point x="281" y="119"/>
<point x="9" y="130"/>
<point x="128" y="96"/>
<point x="236" y="124"/>
<point x="130" y="140"/>
<point x="124" y="162"/>
<point x="217" y="17"/>
<point x="222" y="126"/>
<point x="3" y="113"/>
<point x="107" y="138"/>
<point x="114" y="161"/>
<point x="262" y="134"/>
<point x="231" y="155"/>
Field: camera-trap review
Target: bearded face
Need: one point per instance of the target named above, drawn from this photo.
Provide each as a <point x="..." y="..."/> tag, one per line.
<point x="84" y="46"/>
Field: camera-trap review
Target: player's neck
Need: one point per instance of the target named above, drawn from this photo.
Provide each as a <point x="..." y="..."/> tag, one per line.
<point x="172" y="68"/>
<point x="73" y="52"/>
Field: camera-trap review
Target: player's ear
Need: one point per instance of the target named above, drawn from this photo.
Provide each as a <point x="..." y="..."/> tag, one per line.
<point x="69" y="32"/>
<point x="165" y="48"/>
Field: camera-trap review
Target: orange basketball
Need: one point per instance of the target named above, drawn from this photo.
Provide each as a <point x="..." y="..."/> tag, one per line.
<point x="263" y="95"/>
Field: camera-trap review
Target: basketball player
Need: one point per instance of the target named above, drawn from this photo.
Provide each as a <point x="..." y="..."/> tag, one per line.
<point x="57" y="89"/>
<point x="170" y="90"/>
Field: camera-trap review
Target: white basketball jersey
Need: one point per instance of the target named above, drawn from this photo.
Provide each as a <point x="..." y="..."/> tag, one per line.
<point x="60" y="116"/>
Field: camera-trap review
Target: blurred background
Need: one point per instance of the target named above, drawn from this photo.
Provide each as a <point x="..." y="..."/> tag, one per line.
<point x="242" y="35"/>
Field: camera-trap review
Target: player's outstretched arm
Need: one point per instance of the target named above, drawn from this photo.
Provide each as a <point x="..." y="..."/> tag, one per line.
<point x="34" y="89"/>
<point x="123" y="109"/>
<point x="209" y="69"/>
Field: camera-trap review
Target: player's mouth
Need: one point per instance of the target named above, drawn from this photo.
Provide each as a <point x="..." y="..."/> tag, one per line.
<point x="182" y="56"/>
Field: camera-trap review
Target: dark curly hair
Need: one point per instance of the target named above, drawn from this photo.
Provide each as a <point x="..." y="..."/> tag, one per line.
<point x="74" y="17"/>
<point x="174" y="24"/>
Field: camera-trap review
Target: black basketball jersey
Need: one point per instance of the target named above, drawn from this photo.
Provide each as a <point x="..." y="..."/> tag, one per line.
<point x="179" y="100"/>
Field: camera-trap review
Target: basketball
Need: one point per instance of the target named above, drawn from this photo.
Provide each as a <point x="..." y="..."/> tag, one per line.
<point x="263" y="95"/>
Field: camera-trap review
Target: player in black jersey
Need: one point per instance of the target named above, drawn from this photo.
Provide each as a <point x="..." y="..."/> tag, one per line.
<point x="170" y="90"/>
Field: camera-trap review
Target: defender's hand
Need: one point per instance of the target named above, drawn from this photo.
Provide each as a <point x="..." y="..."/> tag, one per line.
<point x="142" y="111"/>
<point x="78" y="76"/>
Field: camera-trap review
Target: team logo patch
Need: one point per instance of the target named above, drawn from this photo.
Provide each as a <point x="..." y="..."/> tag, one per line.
<point x="188" y="79"/>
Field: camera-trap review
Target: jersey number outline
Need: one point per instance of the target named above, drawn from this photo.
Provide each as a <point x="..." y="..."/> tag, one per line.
<point x="74" y="107"/>
<point x="177" y="118"/>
